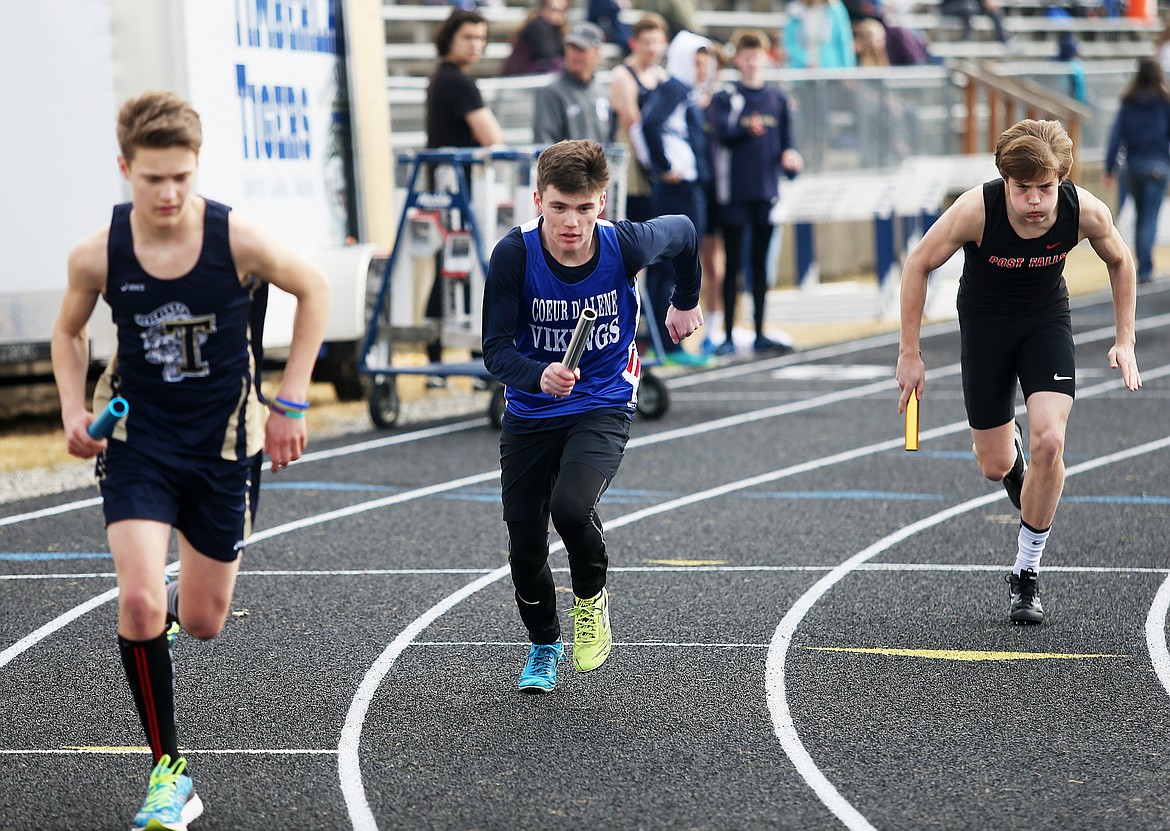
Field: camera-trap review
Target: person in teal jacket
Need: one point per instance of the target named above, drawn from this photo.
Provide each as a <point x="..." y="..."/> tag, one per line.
<point x="819" y="35"/>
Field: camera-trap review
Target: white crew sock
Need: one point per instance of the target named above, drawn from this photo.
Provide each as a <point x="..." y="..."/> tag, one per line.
<point x="1030" y="548"/>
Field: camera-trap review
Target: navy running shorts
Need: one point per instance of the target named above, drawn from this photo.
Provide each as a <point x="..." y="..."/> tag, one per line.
<point x="530" y="462"/>
<point x="211" y="501"/>
<point x="1036" y="349"/>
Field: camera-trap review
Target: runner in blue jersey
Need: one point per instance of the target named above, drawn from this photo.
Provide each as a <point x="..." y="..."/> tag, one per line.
<point x="184" y="279"/>
<point x="1015" y="324"/>
<point x="564" y="431"/>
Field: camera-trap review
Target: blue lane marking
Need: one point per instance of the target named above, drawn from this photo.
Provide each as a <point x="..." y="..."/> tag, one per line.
<point x="1120" y="500"/>
<point x="884" y="495"/>
<point x="323" y="486"/>
<point x="42" y="556"/>
<point x="633" y="496"/>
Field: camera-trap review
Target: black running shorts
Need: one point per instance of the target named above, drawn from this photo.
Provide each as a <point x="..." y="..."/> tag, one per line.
<point x="211" y="501"/>
<point x="997" y="350"/>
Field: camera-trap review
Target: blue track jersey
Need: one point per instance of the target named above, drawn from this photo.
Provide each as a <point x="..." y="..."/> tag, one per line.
<point x="185" y="359"/>
<point x="549" y="310"/>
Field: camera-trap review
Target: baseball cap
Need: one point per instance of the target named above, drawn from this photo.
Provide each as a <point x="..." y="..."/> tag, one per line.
<point x="585" y="35"/>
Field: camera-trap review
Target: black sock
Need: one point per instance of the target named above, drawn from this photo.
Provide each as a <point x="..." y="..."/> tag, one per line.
<point x="151" y="676"/>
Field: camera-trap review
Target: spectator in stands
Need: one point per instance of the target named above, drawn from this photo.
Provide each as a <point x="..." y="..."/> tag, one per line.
<point x="456" y="116"/>
<point x="819" y="35"/>
<point x="1015" y="326"/>
<point x="539" y="44"/>
<point x="573" y="106"/>
<point x="869" y="41"/>
<point x="904" y="46"/>
<point x="1142" y="130"/>
<point x="752" y="145"/>
<point x="672" y="124"/>
<point x="606" y="14"/>
<point x="630" y="84"/>
<point x="1068" y="52"/>
<point x="966" y="10"/>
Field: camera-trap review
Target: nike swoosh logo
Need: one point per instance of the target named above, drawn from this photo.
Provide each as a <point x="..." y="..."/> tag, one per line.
<point x="1056" y="377"/>
<point x="1054" y="245"/>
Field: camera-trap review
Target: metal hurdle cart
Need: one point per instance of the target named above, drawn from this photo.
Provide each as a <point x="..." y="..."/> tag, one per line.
<point x="456" y="204"/>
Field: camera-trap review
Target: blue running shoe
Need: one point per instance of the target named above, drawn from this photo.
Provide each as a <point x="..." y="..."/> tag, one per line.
<point x="681" y="357"/>
<point x="540" y="670"/>
<point x="171" y="802"/>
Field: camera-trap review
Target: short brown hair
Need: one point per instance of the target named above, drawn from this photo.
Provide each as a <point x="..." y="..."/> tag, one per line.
<point x="750" y="39"/>
<point x="1031" y="149"/>
<point x="649" y="22"/>
<point x="158" y="119"/>
<point x="574" y="166"/>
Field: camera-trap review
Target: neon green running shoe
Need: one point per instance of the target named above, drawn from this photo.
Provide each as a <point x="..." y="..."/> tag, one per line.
<point x="592" y="638"/>
<point x="173" y="630"/>
<point x="171" y="802"/>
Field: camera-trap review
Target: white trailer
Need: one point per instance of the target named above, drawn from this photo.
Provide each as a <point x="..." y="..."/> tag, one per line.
<point x="264" y="76"/>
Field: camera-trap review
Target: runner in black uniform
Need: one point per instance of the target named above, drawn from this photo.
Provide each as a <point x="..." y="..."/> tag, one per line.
<point x="181" y="275"/>
<point x="1014" y="320"/>
<point x="564" y="431"/>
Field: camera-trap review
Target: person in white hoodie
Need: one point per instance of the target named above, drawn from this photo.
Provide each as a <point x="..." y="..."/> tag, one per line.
<point x="680" y="163"/>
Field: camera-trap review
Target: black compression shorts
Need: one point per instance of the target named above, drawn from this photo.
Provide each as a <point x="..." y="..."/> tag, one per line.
<point x="997" y="350"/>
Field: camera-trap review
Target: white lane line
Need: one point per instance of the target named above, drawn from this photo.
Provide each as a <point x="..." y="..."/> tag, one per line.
<point x="671" y="644"/>
<point x="1156" y="635"/>
<point x="134" y="751"/>
<point x="47" y="512"/>
<point x="774" y="682"/>
<point x="390" y="441"/>
<point x="424" y="572"/>
<point x="35" y="637"/>
<point x="349" y="759"/>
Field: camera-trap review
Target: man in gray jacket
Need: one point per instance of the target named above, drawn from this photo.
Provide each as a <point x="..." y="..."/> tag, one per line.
<point x="572" y="106"/>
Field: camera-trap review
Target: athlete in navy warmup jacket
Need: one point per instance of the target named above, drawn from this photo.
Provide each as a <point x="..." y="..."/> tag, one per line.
<point x="565" y="431"/>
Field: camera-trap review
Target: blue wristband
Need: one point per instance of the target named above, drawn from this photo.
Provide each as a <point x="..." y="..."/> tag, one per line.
<point x="292" y="405"/>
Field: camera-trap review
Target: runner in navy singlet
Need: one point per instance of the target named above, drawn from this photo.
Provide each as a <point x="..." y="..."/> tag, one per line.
<point x="1014" y="324"/>
<point x="184" y="278"/>
<point x="565" y="431"/>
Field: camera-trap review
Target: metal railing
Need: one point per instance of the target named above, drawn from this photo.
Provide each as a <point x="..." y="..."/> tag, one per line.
<point x="853" y="119"/>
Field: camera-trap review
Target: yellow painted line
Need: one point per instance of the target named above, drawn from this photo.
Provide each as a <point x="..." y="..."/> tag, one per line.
<point x="106" y="749"/>
<point x="687" y="562"/>
<point x="964" y="654"/>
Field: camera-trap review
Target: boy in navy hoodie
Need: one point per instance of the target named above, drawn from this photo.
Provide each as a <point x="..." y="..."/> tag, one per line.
<point x="751" y="135"/>
<point x="680" y="166"/>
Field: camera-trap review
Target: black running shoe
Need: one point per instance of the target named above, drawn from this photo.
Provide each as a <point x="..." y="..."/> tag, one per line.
<point x="1025" y="592"/>
<point x="1013" y="483"/>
